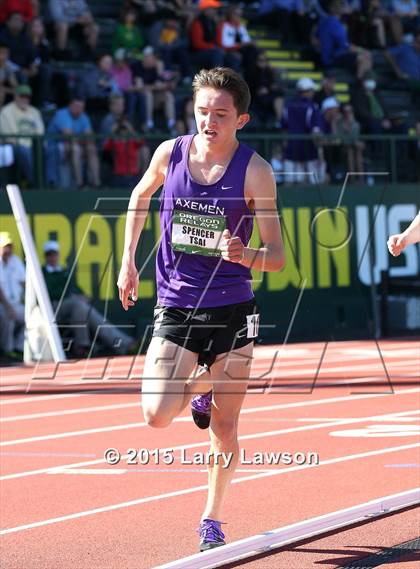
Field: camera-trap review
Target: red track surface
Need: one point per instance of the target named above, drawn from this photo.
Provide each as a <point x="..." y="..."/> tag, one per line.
<point x="148" y="514"/>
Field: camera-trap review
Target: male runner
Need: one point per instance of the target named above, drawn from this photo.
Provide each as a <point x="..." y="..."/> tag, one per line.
<point x="397" y="243"/>
<point x="213" y="186"/>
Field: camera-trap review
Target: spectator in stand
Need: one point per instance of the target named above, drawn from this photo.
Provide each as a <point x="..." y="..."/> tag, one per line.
<point x="150" y="11"/>
<point x="152" y="80"/>
<point x="22" y="51"/>
<point x="115" y="114"/>
<point x="8" y="81"/>
<point x="307" y="16"/>
<point x="24" y="55"/>
<point x="301" y="116"/>
<point x="123" y="77"/>
<point x="98" y="84"/>
<point x="327" y="88"/>
<point x="331" y="149"/>
<point x="405" y="61"/>
<point x="12" y="309"/>
<point x="28" y="9"/>
<point x="167" y="41"/>
<point x="37" y="35"/>
<point x="71" y="153"/>
<point x="369" y="108"/>
<point x="74" y="309"/>
<point x="348" y="130"/>
<point x="42" y="82"/>
<point x="266" y="92"/>
<point x="281" y="15"/>
<point x="335" y="47"/>
<point x="185" y="12"/>
<point x="205" y="36"/>
<point x="128" y="35"/>
<point x="20" y="117"/>
<point x="69" y="13"/>
<point x="367" y="27"/>
<point x="235" y="40"/>
<point x="407" y="17"/>
<point x="125" y="146"/>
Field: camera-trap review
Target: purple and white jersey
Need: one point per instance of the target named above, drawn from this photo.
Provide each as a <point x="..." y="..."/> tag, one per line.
<point x="190" y="272"/>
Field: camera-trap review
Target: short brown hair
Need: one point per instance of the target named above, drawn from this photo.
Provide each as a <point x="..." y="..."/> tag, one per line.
<point x="225" y="79"/>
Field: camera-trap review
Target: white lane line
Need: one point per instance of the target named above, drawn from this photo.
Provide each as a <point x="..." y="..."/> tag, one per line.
<point x="146" y="470"/>
<point x="325" y="371"/>
<point x="69" y="412"/>
<point x="47" y="470"/>
<point x="203" y="487"/>
<point x="396" y="417"/>
<point x="177" y="420"/>
<point x="91" y="471"/>
<point x="35" y="398"/>
<point x="81" y="433"/>
<point x="47" y="454"/>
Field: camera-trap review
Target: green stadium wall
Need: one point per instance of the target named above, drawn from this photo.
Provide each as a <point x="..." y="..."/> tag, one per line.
<point x="335" y="242"/>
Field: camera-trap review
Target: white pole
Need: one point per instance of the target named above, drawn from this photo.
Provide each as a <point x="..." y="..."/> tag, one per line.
<point x="35" y="272"/>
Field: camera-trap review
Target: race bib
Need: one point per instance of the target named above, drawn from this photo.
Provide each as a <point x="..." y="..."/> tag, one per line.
<point x="196" y="233"/>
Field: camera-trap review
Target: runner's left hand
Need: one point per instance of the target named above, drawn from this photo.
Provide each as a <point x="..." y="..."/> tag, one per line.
<point x="396" y="244"/>
<point x="232" y="248"/>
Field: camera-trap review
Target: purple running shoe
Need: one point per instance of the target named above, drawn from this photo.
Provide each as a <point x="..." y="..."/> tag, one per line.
<point x="211" y="534"/>
<point x="201" y="410"/>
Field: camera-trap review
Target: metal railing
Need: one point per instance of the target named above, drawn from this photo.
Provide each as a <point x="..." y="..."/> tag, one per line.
<point x="396" y="157"/>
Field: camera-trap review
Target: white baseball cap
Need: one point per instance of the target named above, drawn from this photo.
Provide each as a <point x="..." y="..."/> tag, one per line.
<point x="51" y="246"/>
<point x="329" y="103"/>
<point x="305" y="84"/>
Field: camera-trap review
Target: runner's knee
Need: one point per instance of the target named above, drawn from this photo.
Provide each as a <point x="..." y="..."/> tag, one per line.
<point x="157" y="419"/>
<point x="224" y="430"/>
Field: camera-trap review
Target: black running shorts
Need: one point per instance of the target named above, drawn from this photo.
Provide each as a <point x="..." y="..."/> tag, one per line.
<point x="208" y="331"/>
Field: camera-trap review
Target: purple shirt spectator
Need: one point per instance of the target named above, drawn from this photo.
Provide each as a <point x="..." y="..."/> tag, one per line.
<point x="301" y="116"/>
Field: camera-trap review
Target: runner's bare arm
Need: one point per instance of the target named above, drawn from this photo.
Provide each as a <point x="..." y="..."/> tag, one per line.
<point x="260" y="193"/>
<point x="138" y="209"/>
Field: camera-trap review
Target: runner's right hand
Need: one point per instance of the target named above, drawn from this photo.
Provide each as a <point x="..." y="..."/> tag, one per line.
<point x="128" y="283"/>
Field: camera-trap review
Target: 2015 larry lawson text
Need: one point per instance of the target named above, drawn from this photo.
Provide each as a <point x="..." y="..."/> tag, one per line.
<point x="183" y="456"/>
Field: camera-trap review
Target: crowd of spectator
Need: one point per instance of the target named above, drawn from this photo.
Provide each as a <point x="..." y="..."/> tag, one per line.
<point x="86" y="330"/>
<point x="141" y="84"/>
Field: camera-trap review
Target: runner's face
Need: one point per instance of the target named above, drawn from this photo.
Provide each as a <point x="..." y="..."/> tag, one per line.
<point x="216" y="116"/>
